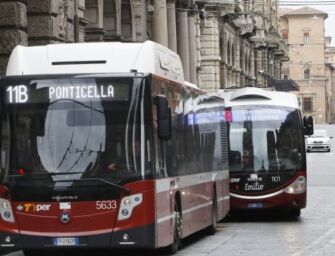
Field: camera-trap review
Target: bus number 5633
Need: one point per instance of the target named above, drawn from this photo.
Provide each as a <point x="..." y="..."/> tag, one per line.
<point x="106" y="205"/>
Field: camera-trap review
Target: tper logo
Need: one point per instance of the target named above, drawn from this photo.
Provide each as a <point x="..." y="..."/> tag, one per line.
<point x="36" y="207"/>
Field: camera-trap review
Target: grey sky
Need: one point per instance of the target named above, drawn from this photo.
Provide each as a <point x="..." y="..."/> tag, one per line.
<point x="328" y="8"/>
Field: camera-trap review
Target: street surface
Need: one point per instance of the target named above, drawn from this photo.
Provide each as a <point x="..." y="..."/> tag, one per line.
<point x="312" y="234"/>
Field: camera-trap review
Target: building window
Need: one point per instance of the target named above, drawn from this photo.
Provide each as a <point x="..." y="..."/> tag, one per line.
<point x="306" y="38"/>
<point x="126" y="20"/>
<point x="285" y="38"/>
<point x="91" y="12"/>
<point x="307" y="104"/>
<point x="228" y="54"/>
<point x="285" y="77"/>
<point x="307" y="74"/>
<point x="110" y="17"/>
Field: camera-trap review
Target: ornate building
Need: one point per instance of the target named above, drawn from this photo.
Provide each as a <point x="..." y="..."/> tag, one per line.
<point x="221" y="43"/>
<point x="303" y="31"/>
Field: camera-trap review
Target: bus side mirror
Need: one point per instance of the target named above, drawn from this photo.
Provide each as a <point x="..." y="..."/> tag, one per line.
<point x="163" y="118"/>
<point x="308" y="125"/>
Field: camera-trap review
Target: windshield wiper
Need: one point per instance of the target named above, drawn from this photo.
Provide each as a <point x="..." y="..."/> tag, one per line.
<point x="116" y="186"/>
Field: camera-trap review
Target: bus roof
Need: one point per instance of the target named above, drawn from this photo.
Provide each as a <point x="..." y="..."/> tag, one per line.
<point x="256" y="96"/>
<point x="104" y="57"/>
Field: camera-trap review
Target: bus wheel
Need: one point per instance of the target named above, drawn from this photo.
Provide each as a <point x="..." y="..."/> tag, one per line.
<point x="178" y="225"/>
<point x="210" y="230"/>
<point x="294" y="213"/>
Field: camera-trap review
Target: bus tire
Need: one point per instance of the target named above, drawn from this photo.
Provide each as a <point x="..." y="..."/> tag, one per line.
<point x="211" y="229"/>
<point x="177" y="229"/>
<point x="294" y="213"/>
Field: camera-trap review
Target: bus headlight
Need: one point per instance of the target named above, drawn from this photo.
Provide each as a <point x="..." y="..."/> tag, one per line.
<point x="6" y="211"/>
<point x="127" y="205"/>
<point x="298" y="186"/>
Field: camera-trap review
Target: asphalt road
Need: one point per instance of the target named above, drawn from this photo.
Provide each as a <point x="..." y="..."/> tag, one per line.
<point x="312" y="234"/>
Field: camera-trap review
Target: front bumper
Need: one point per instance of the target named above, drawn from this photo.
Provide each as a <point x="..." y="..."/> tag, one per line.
<point x="142" y="237"/>
<point x="279" y="199"/>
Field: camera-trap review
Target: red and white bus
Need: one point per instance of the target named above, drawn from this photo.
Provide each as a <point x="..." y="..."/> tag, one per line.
<point x="267" y="158"/>
<point x="104" y="145"/>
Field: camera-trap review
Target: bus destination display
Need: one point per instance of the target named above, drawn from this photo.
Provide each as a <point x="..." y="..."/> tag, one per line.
<point x="44" y="91"/>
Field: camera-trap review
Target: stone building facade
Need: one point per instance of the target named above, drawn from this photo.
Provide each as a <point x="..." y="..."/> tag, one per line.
<point x="303" y="30"/>
<point x="221" y="43"/>
<point x="330" y="74"/>
<point x="39" y="22"/>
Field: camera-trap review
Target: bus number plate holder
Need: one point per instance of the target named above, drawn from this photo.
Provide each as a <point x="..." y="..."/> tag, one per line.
<point x="66" y="241"/>
<point x="255" y="205"/>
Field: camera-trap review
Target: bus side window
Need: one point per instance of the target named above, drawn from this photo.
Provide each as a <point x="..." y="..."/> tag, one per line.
<point x="175" y="145"/>
<point x="170" y="145"/>
<point x="188" y="134"/>
<point x="158" y="87"/>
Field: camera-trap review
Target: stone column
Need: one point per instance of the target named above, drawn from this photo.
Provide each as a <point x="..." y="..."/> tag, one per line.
<point x="229" y="80"/>
<point x="252" y="66"/>
<point x="80" y="22"/>
<point x="198" y="46"/>
<point x="139" y="25"/>
<point x="192" y="48"/>
<point x="13" y="24"/>
<point x="275" y="68"/>
<point x="159" y="27"/>
<point x="237" y="78"/>
<point x="267" y="67"/>
<point x="242" y="79"/>
<point x="233" y="77"/>
<point x="222" y="75"/>
<point x="238" y="62"/>
<point x="225" y="74"/>
<point x="182" y="42"/>
<point x="210" y="50"/>
<point x="259" y="67"/>
<point x="278" y="68"/>
<point x="172" y="26"/>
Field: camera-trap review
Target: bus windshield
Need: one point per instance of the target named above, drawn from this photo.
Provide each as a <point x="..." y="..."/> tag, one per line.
<point x="65" y="129"/>
<point x="265" y="139"/>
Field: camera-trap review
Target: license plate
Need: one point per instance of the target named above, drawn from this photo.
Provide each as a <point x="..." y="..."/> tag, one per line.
<point x="255" y="205"/>
<point x="66" y="241"/>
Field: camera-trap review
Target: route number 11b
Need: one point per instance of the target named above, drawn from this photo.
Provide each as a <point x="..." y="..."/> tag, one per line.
<point x="17" y="94"/>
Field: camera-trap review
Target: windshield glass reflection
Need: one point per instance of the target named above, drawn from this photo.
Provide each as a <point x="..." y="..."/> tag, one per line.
<point x="264" y="139"/>
<point x="74" y="128"/>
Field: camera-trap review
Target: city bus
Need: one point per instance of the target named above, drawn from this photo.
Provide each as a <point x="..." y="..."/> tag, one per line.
<point x="104" y="145"/>
<point x="267" y="158"/>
